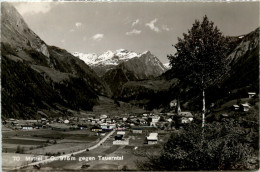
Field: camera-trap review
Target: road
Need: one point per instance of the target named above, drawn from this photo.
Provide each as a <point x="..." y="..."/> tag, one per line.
<point x="51" y="159"/>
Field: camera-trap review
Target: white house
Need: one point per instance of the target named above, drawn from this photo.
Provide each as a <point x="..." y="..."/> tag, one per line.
<point x="121" y="142"/>
<point x="106" y="126"/>
<point x="235" y="107"/>
<point x="169" y="120"/>
<point x="155" y="119"/>
<point x="152" y="138"/>
<point x="103" y="116"/>
<point x="27" y="127"/>
<point x="251" y="94"/>
<point x="120" y="133"/>
<point x="66" y="121"/>
<point x="245" y="107"/>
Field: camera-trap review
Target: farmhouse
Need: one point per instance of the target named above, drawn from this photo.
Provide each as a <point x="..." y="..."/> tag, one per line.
<point x="121" y="142"/>
<point x="152" y="138"/>
<point x="235" y="107"/>
<point x="186" y="117"/>
<point x="66" y="121"/>
<point x="27" y="127"/>
<point x="103" y="116"/>
<point x="245" y="107"/>
<point x="120" y="133"/>
<point x="251" y="94"/>
<point x="106" y="126"/>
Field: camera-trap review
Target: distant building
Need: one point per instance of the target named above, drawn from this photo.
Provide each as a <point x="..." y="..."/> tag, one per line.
<point x="27" y="127"/>
<point x="103" y="116"/>
<point x="185" y="117"/>
<point x="66" y="121"/>
<point x="245" y="107"/>
<point x="251" y="94"/>
<point x="137" y="130"/>
<point x="235" y="107"/>
<point x="96" y="129"/>
<point x="106" y="126"/>
<point x="152" y="138"/>
<point x="169" y="120"/>
<point x="120" y="133"/>
<point x="121" y="142"/>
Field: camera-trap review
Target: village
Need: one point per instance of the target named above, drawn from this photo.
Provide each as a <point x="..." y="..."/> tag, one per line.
<point x="46" y="137"/>
<point x="148" y="124"/>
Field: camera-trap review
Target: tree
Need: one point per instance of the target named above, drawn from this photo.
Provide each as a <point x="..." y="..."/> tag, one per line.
<point x="225" y="148"/>
<point x="201" y="57"/>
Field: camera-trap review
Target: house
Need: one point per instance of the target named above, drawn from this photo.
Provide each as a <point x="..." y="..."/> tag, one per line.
<point x="184" y="120"/>
<point x="251" y="94"/>
<point x="137" y="130"/>
<point x="155" y="119"/>
<point x="121" y="142"/>
<point x="96" y="129"/>
<point x="245" y="107"/>
<point x="185" y="117"/>
<point x="152" y="138"/>
<point x="103" y="116"/>
<point x="43" y="121"/>
<point x="169" y="120"/>
<point x="235" y="107"/>
<point x="66" y="121"/>
<point x="106" y="126"/>
<point x="120" y="133"/>
<point x="26" y="127"/>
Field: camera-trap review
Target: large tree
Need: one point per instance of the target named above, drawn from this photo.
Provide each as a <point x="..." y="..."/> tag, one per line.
<point x="201" y="57"/>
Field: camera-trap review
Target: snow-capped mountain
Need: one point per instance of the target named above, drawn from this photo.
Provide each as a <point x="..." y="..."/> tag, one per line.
<point x="107" y="58"/>
<point x="145" y="63"/>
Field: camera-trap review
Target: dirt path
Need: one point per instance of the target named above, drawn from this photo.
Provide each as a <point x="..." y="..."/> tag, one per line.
<point x="67" y="155"/>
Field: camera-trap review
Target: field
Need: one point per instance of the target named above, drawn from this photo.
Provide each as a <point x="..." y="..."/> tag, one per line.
<point x="41" y="143"/>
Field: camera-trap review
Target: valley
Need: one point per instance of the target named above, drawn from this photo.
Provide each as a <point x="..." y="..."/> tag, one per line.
<point x="125" y="106"/>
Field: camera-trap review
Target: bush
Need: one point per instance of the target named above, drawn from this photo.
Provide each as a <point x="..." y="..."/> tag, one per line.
<point x="221" y="146"/>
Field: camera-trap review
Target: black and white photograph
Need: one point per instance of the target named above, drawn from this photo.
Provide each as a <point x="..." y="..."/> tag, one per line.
<point x="130" y="86"/>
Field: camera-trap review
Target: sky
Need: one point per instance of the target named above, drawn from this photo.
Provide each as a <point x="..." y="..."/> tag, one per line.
<point x="96" y="27"/>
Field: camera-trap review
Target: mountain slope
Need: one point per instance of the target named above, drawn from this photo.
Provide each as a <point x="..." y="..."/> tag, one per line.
<point x="242" y="77"/>
<point x="36" y="76"/>
<point x="144" y="65"/>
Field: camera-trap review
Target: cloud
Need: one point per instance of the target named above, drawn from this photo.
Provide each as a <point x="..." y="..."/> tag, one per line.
<point x="135" y="22"/>
<point x="152" y="26"/>
<point x="133" y="32"/>
<point x="72" y="30"/>
<point x="98" y="37"/>
<point x="78" y="24"/>
<point x="165" y="27"/>
<point x="33" y="7"/>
